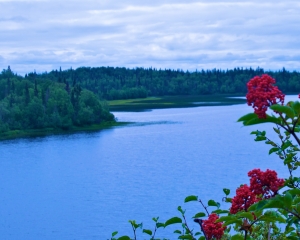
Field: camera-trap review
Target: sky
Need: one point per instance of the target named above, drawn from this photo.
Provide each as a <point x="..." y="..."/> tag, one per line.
<point x="42" y="35"/>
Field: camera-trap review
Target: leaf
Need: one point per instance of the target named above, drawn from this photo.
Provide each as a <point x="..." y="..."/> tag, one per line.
<point x="268" y="119"/>
<point x="159" y="225"/>
<point x="191" y="198"/>
<point x="237" y="237"/>
<point x="114" y="233"/>
<point x="219" y="211"/>
<point x="177" y="231"/>
<point x="276" y="130"/>
<point x="124" y="238"/>
<point x="274" y="149"/>
<point x="186" y="237"/>
<point x="226" y="218"/>
<point x="296" y="107"/>
<point x="213" y="203"/>
<point x="258" y="206"/>
<point x="288" y="111"/>
<point x="294" y="191"/>
<point x="199" y="215"/>
<point x="247" y="117"/>
<point x="149" y="232"/>
<point x="173" y="220"/>
<point x="247" y="215"/>
<point x="288" y="199"/>
<point x="180" y="210"/>
<point x="226" y="191"/>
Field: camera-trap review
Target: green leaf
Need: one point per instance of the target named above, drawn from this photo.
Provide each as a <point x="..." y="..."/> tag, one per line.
<point x="268" y="119"/>
<point x="191" y="198"/>
<point x="219" y="211"/>
<point x="201" y="238"/>
<point x="173" y="220"/>
<point x="227" y="218"/>
<point x="159" y="225"/>
<point x="247" y="215"/>
<point x="237" y="237"/>
<point x="288" y="111"/>
<point x="199" y="215"/>
<point x="247" y="117"/>
<point x="114" y="233"/>
<point x="213" y="203"/>
<point x="180" y="210"/>
<point x="186" y="237"/>
<point x="177" y="231"/>
<point x="226" y="191"/>
<point x="124" y="238"/>
<point x="276" y="130"/>
<point x="288" y="199"/>
<point x="296" y="107"/>
<point x="149" y="232"/>
<point x="274" y="149"/>
<point x="295" y="191"/>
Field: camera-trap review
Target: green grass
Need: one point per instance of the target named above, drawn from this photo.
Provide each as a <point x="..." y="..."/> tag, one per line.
<point x="143" y="104"/>
<point x="52" y="131"/>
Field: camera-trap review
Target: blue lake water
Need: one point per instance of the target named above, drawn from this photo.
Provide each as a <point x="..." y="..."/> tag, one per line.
<point x="87" y="185"/>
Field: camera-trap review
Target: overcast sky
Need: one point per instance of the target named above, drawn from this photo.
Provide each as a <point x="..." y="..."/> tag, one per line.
<point x="43" y="35"/>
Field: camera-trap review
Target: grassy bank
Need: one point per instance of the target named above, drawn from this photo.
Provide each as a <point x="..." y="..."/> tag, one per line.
<point x="143" y="104"/>
<point x="52" y="131"/>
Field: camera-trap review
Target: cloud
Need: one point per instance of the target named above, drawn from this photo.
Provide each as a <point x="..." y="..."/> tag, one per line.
<point x="165" y="34"/>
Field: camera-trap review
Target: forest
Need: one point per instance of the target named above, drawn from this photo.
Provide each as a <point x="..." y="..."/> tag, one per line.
<point x="38" y="103"/>
<point x="77" y="97"/>
<point x="122" y="83"/>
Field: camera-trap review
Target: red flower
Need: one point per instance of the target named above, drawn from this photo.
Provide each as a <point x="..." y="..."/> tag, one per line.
<point x="243" y="200"/>
<point x="265" y="183"/>
<point x="212" y="229"/>
<point x="262" y="94"/>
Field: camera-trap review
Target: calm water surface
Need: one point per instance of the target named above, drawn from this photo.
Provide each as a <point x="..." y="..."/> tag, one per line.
<point x="85" y="186"/>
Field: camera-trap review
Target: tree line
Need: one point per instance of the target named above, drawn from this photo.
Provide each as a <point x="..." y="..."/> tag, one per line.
<point x="123" y="83"/>
<point x="33" y="102"/>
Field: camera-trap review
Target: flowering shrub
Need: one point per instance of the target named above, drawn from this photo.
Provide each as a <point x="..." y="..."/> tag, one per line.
<point x="243" y="200"/>
<point x="259" y="210"/>
<point x="262" y="94"/>
<point x="264" y="184"/>
<point x="213" y="229"/>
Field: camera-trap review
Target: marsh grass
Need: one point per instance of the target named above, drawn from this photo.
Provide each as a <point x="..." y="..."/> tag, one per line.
<point x="143" y="104"/>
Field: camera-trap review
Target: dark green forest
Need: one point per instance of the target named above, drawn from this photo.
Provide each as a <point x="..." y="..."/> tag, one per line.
<point x="121" y="83"/>
<point x="76" y="97"/>
<point x="36" y="102"/>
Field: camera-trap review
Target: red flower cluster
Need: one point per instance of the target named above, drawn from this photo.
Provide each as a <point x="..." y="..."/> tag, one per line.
<point x="264" y="184"/>
<point x="262" y="94"/>
<point x="213" y="229"/>
<point x="243" y="200"/>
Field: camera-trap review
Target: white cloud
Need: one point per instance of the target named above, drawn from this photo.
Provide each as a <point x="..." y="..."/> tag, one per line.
<point x="173" y="34"/>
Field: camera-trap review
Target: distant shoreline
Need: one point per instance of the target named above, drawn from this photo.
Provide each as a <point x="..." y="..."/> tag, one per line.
<point x="15" y="134"/>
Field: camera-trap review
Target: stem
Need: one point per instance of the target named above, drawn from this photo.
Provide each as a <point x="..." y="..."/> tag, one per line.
<point x="246" y="232"/>
<point x="204" y="207"/>
<point x="201" y="227"/>
<point x="134" y="232"/>
<point x="269" y="231"/>
<point x="289" y="129"/>
<point x="154" y="232"/>
<point x="185" y="223"/>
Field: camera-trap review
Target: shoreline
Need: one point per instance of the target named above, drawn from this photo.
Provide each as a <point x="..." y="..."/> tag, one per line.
<point x="29" y="133"/>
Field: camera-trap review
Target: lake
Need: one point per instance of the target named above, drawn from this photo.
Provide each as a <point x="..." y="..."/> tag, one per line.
<point x="87" y="185"/>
